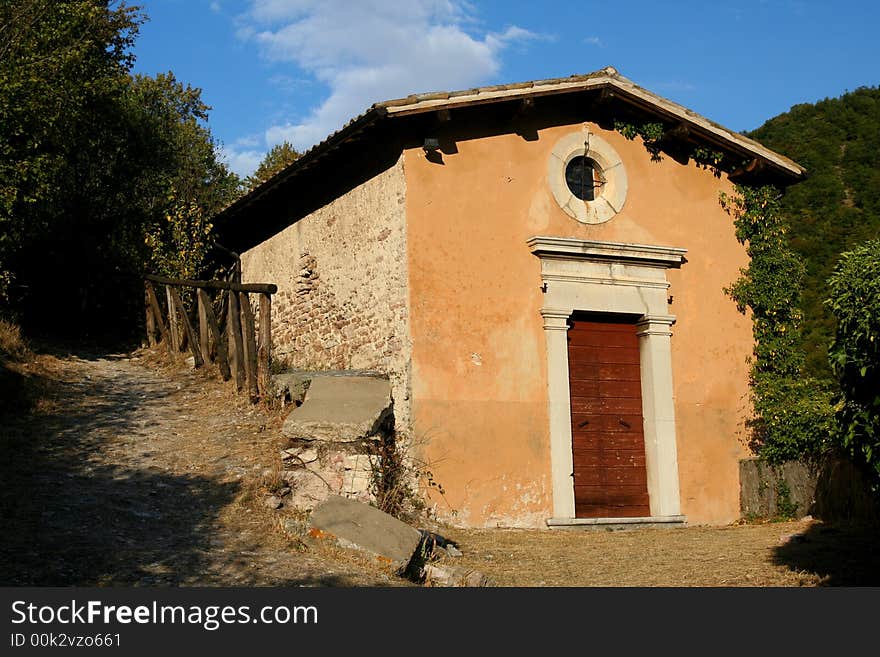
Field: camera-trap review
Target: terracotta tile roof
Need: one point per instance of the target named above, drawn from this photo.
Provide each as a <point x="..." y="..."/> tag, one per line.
<point x="607" y="78"/>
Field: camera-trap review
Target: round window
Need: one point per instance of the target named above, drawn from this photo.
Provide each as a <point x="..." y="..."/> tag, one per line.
<point x="584" y="178"/>
<point x="587" y="177"/>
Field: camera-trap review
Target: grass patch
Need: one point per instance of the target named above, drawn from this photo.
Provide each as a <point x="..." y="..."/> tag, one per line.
<point x="12" y="344"/>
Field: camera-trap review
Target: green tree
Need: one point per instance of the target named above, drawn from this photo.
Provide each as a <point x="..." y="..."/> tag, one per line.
<point x="103" y="174"/>
<point x="62" y="63"/>
<point x="838" y="206"/>
<point x="855" y="352"/>
<point x="276" y="160"/>
<point x="181" y="180"/>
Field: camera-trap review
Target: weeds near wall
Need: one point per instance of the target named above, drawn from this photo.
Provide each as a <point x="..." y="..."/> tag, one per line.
<point x="400" y="481"/>
<point x="786" y="508"/>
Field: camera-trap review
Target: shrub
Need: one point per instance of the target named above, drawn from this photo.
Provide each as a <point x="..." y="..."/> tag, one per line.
<point x="855" y="352"/>
<point x="793" y="418"/>
<point x="12" y="345"/>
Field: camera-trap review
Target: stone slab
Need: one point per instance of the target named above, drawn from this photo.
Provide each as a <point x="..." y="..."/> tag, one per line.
<point x="617" y="523"/>
<point x="360" y="526"/>
<point x="341" y="409"/>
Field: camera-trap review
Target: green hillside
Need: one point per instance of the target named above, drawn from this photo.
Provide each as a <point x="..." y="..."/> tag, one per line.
<point x="838" y="206"/>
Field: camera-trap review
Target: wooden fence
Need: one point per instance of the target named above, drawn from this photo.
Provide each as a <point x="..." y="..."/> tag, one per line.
<point x="229" y="336"/>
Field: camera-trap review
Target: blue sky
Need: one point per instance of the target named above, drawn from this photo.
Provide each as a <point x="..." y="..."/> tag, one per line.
<point x="299" y="69"/>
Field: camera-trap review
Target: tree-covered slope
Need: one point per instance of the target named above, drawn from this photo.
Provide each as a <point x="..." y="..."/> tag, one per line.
<point x="838" y="206"/>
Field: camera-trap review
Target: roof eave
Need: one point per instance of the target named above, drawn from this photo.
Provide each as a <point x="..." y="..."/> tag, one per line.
<point x="607" y="78"/>
<point x="307" y="160"/>
<point x="627" y="91"/>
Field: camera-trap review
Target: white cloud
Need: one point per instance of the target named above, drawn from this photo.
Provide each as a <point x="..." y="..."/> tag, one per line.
<point x="248" y="141"/>
<point x="215" y="7"/>
<point x="594" y="41"/>
<point x="241" y="159"/>
<point x="370" y="51"/>
<point x="289" y="84"/>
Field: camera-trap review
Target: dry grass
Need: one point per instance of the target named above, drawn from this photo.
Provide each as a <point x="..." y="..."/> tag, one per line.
<point x="787" y="554"/>
<point x="16" y="386"/>
<point x="798" y="553"/>
<point x="12" y="344"/>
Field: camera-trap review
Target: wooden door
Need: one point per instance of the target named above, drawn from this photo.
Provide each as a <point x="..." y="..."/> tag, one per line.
<point x="608" y="443"/>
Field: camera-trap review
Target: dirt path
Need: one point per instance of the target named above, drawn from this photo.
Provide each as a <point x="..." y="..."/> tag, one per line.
<point x="130" y="472"/>
<point x="122" y="475"/>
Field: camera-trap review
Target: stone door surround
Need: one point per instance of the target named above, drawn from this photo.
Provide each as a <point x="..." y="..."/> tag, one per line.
<point x="611" y="277"/>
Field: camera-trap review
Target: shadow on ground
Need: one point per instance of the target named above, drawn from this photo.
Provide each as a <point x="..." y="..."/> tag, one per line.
<point x="70" y="519"/>
<point x="843" y="555"/>
<point x="75" y="512"/>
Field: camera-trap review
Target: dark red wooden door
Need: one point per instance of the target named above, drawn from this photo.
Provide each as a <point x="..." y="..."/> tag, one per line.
<point x="608" y="443"/>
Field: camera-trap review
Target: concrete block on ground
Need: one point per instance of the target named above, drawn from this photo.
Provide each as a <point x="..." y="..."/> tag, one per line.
<point x="341" y="409"/>
<point x="360" y="526"/>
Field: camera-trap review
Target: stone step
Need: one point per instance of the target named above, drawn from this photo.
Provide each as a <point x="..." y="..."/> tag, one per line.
<point x="340" y="408"/>
<point x="616" y="523"/>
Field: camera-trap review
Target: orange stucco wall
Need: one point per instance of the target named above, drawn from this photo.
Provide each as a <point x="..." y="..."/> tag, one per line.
<point x="479" y="365"/>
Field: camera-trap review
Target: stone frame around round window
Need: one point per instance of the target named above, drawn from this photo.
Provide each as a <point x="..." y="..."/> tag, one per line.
<point x="613" y="195"/>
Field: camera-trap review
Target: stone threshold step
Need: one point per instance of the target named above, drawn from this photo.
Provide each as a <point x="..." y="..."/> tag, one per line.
<point x="616" y="523"/>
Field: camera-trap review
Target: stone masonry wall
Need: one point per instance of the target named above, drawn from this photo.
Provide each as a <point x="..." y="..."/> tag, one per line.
<point x="834" y="490"/>
<point x="341" y="273"/>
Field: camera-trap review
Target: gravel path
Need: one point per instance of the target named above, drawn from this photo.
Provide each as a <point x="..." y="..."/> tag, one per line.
<point x="122" y="475"/>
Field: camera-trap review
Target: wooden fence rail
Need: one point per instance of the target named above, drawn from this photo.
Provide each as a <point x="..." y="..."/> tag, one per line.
<point x="242" y="349"/>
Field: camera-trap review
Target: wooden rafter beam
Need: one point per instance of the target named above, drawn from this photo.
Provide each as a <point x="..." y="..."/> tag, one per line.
<point x="754" y="167"/>
<point x="677" y="133"/>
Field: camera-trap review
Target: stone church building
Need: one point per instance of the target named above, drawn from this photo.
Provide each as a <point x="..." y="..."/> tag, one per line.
<point x="544" y="294"/>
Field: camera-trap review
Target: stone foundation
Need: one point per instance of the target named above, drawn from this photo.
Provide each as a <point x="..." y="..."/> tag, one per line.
<point x="335" y="435"/>
<point x="315" y="470"/>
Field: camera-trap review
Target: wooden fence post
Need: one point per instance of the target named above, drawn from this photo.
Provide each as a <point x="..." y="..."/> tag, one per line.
<point x="264" y="351"/>
<point x="220" y="348"/>
<point x="172" y="321"/>
<point x="236" y="349"/>
<point x="157" y="312"/>
<point x="203" y="323"/>
<point x="151" y="322"/>
<point x="239" y="352"/>
<point x="194" y="346"/>
<point x="250" y="345"/>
